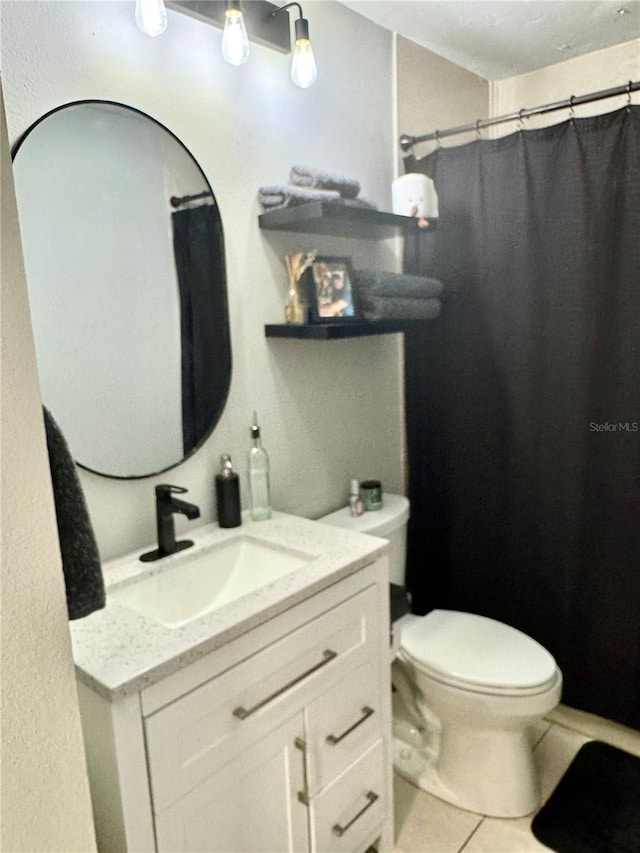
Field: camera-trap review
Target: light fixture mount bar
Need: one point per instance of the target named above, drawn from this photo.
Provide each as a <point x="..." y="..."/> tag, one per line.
<point x="288" y="6"/>
<point x="301" y="23"/>
<point x="263" y="27"/>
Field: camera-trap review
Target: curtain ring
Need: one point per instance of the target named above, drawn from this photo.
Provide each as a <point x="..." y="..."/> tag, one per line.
<point x="478" y="129"/>
<point x="629" y="96"/>
<point x="437" y="138"/>
<point x="572" y="112"/>
<point x="521" y="118"/>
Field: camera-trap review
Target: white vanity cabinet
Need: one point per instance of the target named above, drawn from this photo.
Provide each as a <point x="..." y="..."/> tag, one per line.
<point x="277" y="741"/>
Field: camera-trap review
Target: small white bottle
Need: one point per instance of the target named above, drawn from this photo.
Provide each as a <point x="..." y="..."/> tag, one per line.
<point x="355" y="504"/>
<point x="259" y="492"/>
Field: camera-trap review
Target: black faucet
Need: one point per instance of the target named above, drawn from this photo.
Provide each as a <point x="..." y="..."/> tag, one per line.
<point x="166" y="506"/>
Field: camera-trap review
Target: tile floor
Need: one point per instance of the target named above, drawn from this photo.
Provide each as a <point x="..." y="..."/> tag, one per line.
<point x="425" y="824"/>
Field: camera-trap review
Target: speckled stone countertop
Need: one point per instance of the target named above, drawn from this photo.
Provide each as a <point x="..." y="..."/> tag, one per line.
<point x="118" y="651"/>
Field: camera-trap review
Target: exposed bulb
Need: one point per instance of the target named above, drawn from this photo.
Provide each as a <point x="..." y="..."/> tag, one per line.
<point x="151" y="16"/>
<point x="303" y="65"/>
<point x="235" y="41"/>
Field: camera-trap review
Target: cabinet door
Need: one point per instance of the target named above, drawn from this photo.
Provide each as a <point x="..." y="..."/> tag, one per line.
<point x="250" y="805"/>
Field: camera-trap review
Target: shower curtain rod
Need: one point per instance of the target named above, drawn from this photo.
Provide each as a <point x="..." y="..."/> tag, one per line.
<point x="178" y="201"/>
<point x="407" y="142"/>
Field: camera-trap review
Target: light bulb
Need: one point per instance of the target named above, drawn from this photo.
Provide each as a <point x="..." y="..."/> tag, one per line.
<point x="151" y="16"/>
<point x="303" y="65"/>
<point x="235" y="41"/>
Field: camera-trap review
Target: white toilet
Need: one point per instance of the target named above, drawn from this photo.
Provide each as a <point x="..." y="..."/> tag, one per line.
<point x="468" y="692"/>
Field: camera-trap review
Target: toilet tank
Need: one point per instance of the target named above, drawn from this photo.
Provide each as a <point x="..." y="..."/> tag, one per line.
<point x="390" y="523"/>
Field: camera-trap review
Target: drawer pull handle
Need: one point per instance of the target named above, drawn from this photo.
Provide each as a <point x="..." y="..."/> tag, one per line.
<point x="366" y="713"/>
<point x="303" y="796"/>
<point x="242" y="713"/>
<point x="340" y="830"/>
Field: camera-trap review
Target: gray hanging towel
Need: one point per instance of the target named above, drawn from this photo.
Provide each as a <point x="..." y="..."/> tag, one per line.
<point x="80" y="558"/>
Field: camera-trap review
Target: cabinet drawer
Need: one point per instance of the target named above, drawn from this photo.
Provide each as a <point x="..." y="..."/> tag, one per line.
<point x="343" y="724"/>
<point x="350" y="813"/>
<point x="191" y="738"/>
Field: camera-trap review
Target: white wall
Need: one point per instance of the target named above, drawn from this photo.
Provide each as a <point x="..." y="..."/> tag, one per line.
<point x="45" y="795"/>
<point x="603" y="69"/>
<point x="329" y="411"/>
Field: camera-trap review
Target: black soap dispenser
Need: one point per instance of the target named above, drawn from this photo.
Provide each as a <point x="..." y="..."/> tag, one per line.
<point x="228" y="494"/>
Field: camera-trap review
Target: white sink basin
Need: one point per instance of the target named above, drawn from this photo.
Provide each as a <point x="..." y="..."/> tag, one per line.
<point x="195" y="584"/>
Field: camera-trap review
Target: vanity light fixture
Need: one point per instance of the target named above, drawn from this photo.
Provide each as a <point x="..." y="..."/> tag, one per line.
<point x="235" y="41"/>
<point x="304" y="72"/>
<point x="257" y="17"/>
<point x="151" y="16"/>
<point x="258" y="21"/>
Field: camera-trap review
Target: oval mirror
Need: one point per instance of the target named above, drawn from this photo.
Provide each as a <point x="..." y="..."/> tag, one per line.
<point x="124" y="256"/>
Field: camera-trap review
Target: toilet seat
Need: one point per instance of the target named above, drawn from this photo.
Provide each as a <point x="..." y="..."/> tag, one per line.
<point x="477" y="654"/>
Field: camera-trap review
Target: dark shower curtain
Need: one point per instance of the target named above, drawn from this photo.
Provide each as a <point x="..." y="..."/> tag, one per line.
<point x="523" y="400"/>
<point x="198" y="246"/>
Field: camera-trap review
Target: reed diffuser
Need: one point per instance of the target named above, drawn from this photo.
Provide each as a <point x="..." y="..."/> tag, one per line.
<point x="296" y="264"/>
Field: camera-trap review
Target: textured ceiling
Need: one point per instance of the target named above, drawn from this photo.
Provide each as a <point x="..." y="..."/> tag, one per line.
<point x="502" y="39"/>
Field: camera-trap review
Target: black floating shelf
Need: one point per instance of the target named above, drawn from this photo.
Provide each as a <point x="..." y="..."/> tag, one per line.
<point x="335" y="220"/>
<point x="333" y="331"/>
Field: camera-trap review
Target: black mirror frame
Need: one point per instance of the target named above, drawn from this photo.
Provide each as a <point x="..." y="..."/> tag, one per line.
<point x="217" y="414"/>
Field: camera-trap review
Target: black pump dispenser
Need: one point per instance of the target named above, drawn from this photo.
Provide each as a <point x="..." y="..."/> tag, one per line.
<point x="228" y="494"/>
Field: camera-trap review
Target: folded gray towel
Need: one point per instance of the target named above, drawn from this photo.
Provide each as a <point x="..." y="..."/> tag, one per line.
<point x="392" y="308"/>
<point x="80" y="559"/>
<point x="356" y="202"/>
<point x="305" y="176"/>
<point x="398" y="285"/>
<point x="283" y="195"/>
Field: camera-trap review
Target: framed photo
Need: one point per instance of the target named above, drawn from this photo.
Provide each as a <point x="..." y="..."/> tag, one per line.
<point x="330" y="290"/>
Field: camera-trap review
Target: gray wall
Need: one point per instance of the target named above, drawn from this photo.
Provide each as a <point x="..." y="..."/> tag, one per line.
<point x="434" y="94"/>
